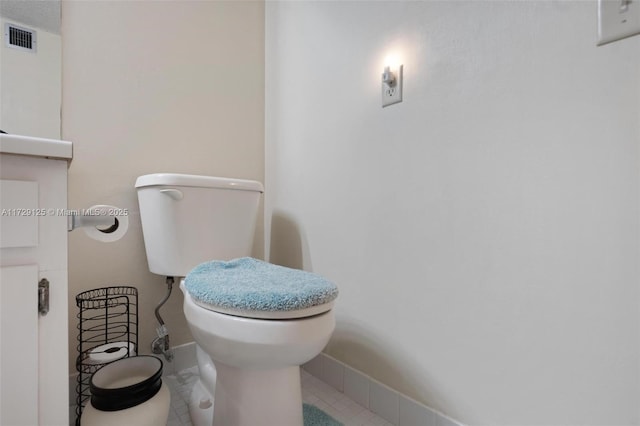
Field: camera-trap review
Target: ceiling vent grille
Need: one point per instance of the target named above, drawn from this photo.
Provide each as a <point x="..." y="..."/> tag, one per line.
<point x="20" y="38"/>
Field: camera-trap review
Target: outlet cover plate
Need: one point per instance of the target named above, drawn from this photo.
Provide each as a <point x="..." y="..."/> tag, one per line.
<point x="393" y="95"/>
<point x="617" y="19"/>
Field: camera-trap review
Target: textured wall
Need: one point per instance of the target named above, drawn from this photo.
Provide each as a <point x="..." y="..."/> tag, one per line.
<point x="484" y="233"/>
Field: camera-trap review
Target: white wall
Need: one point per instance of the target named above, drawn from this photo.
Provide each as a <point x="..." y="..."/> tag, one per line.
<point x="155" y="87"/>
<point x="30" y="85"/>
<point x="483" y="233"/>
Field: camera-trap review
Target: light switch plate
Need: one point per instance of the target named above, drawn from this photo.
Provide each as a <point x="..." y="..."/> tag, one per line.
<point x="617" y="19"/>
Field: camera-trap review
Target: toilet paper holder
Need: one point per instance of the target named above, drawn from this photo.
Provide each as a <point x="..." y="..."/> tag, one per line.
<point x="102" y="223"/>
<point x="80" y="220"/>
<point x="102" y="217"/>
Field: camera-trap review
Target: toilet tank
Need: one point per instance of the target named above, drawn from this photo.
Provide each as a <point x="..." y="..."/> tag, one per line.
<point x="190" y="219"/>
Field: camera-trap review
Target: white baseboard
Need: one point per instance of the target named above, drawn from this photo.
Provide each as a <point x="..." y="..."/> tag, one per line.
<point x="184" y="356"/>
<point x="391" y="405"/>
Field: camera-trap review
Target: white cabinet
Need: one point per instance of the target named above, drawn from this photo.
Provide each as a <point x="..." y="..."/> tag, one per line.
<point x="34" y="376"/>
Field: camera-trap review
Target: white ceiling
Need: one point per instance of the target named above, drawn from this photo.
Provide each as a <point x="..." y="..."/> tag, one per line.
<point x="42" y="14"/>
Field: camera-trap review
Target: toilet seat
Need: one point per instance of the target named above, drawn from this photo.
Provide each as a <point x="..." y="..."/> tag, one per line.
<point x="251" y="288"/>
<point x="274" y="315"/>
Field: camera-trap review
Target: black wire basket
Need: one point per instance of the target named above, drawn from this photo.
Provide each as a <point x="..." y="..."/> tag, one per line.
<point x="107" y="331"/>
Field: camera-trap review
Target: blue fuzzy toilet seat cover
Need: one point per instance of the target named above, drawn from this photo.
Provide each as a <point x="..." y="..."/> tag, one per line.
<point x="249" y="285"/>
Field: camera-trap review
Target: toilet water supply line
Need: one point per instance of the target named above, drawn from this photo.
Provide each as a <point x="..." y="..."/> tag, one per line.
<point x="160" y="344"/>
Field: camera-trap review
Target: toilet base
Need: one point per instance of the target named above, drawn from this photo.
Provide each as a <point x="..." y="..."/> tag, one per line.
<point x="249" y="397"/>
<point x="200" y="405"/>
<point x="271" y="397"/>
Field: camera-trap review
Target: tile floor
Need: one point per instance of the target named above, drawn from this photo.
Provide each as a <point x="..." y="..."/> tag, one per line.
<point x="314" y="392"/>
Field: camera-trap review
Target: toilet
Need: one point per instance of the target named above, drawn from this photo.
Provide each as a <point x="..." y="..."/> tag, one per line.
<point x="254" y="323"/>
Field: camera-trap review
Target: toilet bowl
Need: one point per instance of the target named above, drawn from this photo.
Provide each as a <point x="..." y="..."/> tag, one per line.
<point x="256" y="364"/>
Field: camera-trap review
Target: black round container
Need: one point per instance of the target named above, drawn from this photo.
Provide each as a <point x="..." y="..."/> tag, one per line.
<point x="126" y="383"/>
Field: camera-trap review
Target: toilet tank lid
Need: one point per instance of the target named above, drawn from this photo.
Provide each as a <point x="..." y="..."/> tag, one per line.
<point x="177" y="179"/>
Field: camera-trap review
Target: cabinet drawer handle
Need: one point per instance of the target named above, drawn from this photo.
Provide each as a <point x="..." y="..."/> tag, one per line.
<point x="43" y="296"/>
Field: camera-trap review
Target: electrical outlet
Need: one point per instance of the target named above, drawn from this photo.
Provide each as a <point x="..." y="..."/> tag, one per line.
<point x="617" y="19"/>
<point x="392" y="93"/>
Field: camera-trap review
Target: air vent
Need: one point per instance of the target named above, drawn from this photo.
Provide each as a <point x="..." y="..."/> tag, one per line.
<point x="19" y="37"/>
